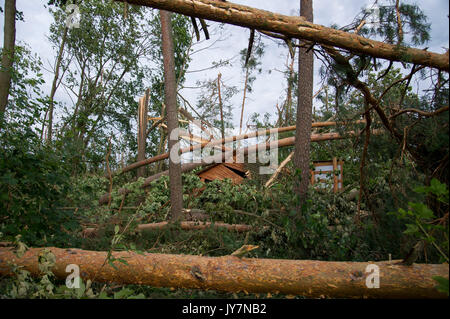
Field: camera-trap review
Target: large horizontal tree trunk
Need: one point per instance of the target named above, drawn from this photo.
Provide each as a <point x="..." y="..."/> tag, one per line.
<point x="296" y="27"/>
<point x="195" y="225"/>
<point x="247" y="150"/>
<point x="229" y="273"/>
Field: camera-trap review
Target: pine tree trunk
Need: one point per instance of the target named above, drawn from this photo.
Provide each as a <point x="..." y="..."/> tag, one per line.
<point x="309" y="278"/>
<point x="9" y="39"/>
<point x="176" y="188"/>
<point x="296" y="28"/>
<point x="304" y="109"/>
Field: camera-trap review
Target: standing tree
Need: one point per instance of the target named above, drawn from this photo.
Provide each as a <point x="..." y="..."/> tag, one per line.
<point x="7" y="53"/>
<point x="251" y="61"/>
<point x="170" y="89"/>
<point x="304" y="108"/>
<point x="55" y="85"/>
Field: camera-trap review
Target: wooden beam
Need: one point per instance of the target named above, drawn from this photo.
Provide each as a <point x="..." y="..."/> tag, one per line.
<point x="335" y="178"/>
<point x="296" y="27"/>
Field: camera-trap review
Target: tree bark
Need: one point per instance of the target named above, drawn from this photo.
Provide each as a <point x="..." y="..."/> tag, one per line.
<point x="296" y="27"/>
<point x="170" y="91"/>
<point x="307" y="278"/>
<point x="55" y="85"/>
<point x="277" y="172"/>
<point x="304" y="110"/>
<point x="9" y="39"/>
<point x="142" y="130"/>
<point x="194" y="225"/>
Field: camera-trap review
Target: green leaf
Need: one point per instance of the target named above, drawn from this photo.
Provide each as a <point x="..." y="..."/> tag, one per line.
<point x="442" y="284"/>
<point x="103" y="295"/>
<point x="421" y="210"/>
<point x="80" y="291"/>
<point x="411" y="229"/>
<point x="123" y="294"/>
<point x="111" y="263"/>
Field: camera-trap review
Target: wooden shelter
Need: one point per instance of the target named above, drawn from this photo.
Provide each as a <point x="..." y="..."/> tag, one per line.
<point x="323" y="172"/>
<point x="234" y="171"/>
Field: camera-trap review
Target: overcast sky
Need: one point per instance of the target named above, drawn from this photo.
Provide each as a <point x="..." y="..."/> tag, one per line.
<point x="269" y="86"/>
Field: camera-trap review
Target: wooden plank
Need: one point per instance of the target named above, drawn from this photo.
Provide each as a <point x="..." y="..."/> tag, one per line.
<point x="323" y="164"/>
<point x="319" y="172"/>
<point x="236" y="166"/>
<point x="335" y="188"/>
<point x="221" y="172"/>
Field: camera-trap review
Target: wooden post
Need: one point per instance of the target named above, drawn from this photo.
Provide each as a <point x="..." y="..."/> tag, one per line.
<point x="142" y="130"/>
<point x="336" y="180"/>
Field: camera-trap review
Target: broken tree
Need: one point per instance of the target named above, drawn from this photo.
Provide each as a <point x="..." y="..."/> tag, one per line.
<point x="228" y="273"/>
<point x="298" y="28"/>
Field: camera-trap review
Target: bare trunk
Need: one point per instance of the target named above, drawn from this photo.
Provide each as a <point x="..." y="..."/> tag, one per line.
<point x="222" y="125"/>
<point x="9" y="39"/>
<point x="142" y="131"/>
<point x="55" y="86"/>
<point x="289" y="92"/>
<point x="176" y="188"/>
<point x="309" y="278"/>
<point x="243" y="100"/>
<point x="304" y="110"/>
<point x="277" y="172"/>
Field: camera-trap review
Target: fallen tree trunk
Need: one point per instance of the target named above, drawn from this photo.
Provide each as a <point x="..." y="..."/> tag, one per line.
<point x="221" y="158"/>
<point x="194" y="225"/>
<point x="229" y="273"/>
<point x="296" y="27"/>
<point x="228" y="140"/>
<point x="277" y="172"/>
